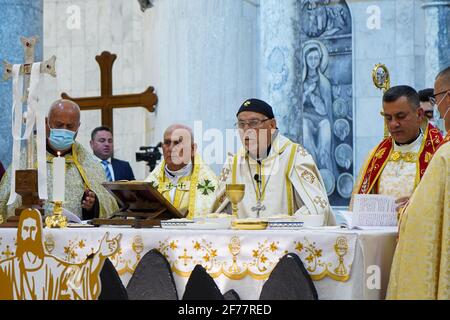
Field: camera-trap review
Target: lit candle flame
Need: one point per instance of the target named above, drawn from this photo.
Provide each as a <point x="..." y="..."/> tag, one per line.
<point x="59" y="154"/>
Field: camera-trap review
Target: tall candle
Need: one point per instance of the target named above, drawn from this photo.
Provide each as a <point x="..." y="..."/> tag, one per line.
<point x="59" y="178"/>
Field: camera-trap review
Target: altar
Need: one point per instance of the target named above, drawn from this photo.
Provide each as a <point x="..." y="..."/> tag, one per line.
<point x="344" y="264"/>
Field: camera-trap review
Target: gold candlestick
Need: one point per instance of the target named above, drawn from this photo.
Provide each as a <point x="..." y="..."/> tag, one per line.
<point x="235" y="192"/>
<point x="57" y="219"/>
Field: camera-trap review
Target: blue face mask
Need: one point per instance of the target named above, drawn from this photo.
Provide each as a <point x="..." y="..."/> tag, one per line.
<point x="61" y="139"/>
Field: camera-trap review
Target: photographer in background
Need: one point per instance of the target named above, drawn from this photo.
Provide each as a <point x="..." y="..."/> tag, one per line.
<point x="151" y="155"/>
<point x="102" y="145"/>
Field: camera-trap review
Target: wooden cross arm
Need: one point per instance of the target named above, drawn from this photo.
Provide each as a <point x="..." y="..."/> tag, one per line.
<point x="47" y="66"/>
<point x="146" y="99"/>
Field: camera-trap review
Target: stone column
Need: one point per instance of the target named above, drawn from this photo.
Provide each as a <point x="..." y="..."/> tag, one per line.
<point x="202" y="58"/>
<point x="437" y="38"/>
<point x="18" y="18"/>
<point x="278" y="65"/>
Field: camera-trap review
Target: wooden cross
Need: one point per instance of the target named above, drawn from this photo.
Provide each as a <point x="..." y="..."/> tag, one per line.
<point x="48" y="66"/>
<point x="27" y="180"/>
<point x="25" y="68"/>
<point x="106" y="102"/>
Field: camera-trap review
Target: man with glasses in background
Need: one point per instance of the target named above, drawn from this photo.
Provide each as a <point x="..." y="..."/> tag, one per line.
<point x="425" y="104"/>
<point x="280" y="176"/>
<point x="397" y="164"/>
<point x="440" y="101"/>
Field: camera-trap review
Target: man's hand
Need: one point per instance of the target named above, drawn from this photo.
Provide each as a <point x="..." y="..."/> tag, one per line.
<point x="401" y="202"/>
<point x="88" y="200"/>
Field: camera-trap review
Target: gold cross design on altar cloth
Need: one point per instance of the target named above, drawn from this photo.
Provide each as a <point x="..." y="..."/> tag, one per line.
<point x="185" y="257"/>
<point x="106" y="102"/>
<point x="7" y="253"/>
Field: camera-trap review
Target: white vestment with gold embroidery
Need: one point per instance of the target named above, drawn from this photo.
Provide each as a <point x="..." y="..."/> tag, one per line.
<point x="192" y="194"/>
<point x="289" y="182"/>
<point x="399" y="175"/>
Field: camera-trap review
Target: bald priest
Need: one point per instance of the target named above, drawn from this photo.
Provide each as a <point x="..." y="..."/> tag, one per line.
<point x="84" y="194"/>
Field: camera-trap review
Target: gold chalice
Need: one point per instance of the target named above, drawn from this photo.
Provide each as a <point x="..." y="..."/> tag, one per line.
<point x="235" y="193"/>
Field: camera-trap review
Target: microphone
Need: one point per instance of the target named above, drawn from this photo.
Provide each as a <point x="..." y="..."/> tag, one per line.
<point x="256" y="177"/>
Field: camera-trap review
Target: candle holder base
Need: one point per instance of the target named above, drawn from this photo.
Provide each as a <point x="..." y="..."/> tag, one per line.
<point x="27" y="188"/>
<point x="57" y="219"/>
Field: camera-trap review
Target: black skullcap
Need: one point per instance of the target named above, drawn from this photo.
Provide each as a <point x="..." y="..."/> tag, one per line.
<point x="256" y="105"/>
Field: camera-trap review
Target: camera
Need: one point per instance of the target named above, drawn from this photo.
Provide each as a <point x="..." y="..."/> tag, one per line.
<point x="151" y="155"/>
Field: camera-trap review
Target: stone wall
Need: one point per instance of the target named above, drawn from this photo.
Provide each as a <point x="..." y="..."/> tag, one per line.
<point x="116" y="26"/>
<point x="396" y="38"/>
<point x="200" y="55"/>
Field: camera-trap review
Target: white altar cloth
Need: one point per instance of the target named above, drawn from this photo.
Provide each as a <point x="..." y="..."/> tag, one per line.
<point x="344" y="264"/>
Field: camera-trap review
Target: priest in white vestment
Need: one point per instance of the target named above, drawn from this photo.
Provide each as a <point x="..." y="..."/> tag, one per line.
<point x="280" y="176"/>
<point x="183" y="178"/>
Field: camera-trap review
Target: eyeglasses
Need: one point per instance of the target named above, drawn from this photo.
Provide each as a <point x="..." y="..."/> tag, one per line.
<point x="252" y="124"/>
<point x="432" y="99"/>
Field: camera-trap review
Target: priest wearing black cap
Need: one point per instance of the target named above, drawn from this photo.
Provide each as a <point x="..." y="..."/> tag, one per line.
<point x="280" y="176"/>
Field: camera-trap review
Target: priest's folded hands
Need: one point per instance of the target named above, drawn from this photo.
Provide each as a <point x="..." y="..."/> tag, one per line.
<point x="401" y="202"/>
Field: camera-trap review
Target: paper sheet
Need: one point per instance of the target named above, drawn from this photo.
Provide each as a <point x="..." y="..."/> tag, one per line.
<point x="71" y="217"/>
<point x="374" y="210"/>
